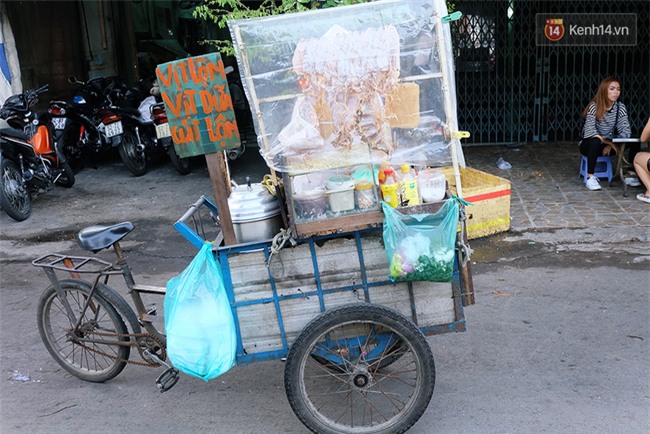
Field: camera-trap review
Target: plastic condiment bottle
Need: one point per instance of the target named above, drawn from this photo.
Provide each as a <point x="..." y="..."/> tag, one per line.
<point x="409" y="187"/>
<point x="389" y="188"/>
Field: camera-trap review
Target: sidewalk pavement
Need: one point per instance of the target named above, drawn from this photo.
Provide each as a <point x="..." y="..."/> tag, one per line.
<point x="550" y="203"/>
<point x="548" y="194"/>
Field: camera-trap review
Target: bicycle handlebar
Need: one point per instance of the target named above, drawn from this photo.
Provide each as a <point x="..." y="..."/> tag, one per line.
<point x="193" y="209"/>
<point x="184" y="229"/>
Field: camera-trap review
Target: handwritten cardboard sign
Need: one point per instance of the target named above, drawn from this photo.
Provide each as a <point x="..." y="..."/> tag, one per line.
<point x="198" y="104"/>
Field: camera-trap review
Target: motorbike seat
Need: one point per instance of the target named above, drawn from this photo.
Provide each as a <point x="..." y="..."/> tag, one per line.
<point x="131" y="111"/>
<point x="12" y="132"/>
<point x="99" y="237"/>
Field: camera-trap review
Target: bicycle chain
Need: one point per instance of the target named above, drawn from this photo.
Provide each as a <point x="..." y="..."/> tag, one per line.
<point x="151" y="364"/>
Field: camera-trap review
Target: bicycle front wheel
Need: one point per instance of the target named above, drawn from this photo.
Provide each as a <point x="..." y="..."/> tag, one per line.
<point x="359" y="369"/>
<point x="96" y="361"/>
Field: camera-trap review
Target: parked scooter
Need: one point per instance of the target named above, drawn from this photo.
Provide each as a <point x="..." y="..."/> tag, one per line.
<point x="30" y="161"/>
<point x="163" y="133"/>
<point x="242" y="114"/>
<point x="91" y="124"/>
<point x="148" y="123"/>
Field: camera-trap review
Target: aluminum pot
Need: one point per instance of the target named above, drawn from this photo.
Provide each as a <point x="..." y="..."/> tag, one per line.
<point x="255" y="213"/>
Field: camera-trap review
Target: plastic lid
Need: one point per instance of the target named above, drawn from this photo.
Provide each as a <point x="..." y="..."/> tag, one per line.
<point x="340" y="183"/>
<point x="363" y="185"/>
<point x="388" y="172"/>
<point x="406" y="168"/>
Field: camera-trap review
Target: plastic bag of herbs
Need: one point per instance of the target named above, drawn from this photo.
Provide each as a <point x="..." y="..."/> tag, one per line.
<point x="421" y="246"/>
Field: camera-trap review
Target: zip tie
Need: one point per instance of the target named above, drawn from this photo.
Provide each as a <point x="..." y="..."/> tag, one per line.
<point x="461" y="200"/>
<point x="460" y="135"/>
<point x="452" y="17"/>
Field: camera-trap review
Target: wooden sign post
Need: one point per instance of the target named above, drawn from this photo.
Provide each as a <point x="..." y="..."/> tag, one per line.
<point x="202" y="120"/>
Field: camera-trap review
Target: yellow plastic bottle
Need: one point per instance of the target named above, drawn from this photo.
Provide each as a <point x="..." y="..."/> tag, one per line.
<point x="408" y="186"/>
<point x="389" y="188"/>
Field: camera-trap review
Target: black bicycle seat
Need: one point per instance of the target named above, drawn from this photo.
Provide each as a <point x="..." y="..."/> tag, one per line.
<point x="96" y="238"/>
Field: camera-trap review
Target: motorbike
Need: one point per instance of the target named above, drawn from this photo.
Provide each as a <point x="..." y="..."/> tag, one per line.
<point x="30" y="161"/>
<point x="242" y="114"/>
<point x="91" y="124"/>
<point x="164" y="137"/>
<point x="149" y="126"/>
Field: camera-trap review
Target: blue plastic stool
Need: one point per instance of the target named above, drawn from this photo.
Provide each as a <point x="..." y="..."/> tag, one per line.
<point x="604" y="168"/>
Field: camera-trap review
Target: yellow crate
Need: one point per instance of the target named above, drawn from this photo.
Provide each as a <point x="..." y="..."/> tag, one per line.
<point x="490" y="196"/>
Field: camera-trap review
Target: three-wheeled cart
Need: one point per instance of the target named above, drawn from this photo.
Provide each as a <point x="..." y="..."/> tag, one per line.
<point x="334" y="94"/>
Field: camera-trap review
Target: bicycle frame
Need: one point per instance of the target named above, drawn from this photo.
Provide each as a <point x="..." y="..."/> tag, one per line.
<point x="77" y="265"/>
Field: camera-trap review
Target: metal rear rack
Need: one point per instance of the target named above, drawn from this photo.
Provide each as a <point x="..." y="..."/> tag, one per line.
<point x="73" y="264"/>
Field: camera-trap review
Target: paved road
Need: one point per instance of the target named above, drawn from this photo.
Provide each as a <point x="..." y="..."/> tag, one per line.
<point x="557" y="341"/>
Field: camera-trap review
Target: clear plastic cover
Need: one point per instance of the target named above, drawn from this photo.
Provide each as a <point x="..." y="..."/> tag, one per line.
<point x="348" y="86"/>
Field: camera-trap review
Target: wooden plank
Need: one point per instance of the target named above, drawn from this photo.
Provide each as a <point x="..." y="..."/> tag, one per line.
<point x="338" y="266"/>
<point x="220" y="180"/>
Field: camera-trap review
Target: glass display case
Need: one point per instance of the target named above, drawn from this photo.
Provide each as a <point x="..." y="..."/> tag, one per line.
<point x="338" y="93"/>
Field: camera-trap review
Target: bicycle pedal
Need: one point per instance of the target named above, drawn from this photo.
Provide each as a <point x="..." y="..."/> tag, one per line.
<point x="167" y="379"/>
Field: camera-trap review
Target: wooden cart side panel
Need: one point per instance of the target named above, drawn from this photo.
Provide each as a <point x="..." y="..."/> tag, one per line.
<point x="341" y="282"/>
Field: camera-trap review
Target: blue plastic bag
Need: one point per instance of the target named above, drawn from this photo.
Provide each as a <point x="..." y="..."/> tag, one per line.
<point x="421" y="246"/>
<point x="200" y="329"/>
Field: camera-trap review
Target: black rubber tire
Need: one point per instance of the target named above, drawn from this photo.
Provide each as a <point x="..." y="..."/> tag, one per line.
<point x="54" y="326"/>
<point x="182" y="165"/>
<point x="346" y="397"/>
<point x="15" y="198"/>
<point x="67" y="176"/>
<point x="134" y="160"/>
<point x="69" y="143"/>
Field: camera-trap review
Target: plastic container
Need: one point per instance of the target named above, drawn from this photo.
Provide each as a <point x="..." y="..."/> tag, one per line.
<point x="409" y="187"/>
<point x="365" y="195"/>
<point x="432" y="184"/>
<point x="389" y="188"/>
<point x="341" y="200"/>
<point x="340" y="192"/>
<point x="310" y="204"/>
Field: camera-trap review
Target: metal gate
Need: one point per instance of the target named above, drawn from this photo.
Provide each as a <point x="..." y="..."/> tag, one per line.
<point x="509" y="90"/>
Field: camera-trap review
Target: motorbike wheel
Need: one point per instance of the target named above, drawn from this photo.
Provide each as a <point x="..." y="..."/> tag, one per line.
<point x="72" y="148"/>
<point x="134" y="159"/>
<point x="235" y="153"/>
<point x="15" y="197"/>
<point x="182" y="165"/>
<point x="66" y="179"/>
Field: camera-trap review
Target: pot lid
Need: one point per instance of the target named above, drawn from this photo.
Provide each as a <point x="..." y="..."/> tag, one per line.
<point x="252" y="202"/>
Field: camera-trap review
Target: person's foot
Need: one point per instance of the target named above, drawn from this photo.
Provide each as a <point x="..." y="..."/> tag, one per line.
<point x="593" y="183"/>
<point x="633" y="181"/>
<point x="643" y="197"/>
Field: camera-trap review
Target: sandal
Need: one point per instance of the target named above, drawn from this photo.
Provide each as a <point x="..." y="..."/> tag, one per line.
<point x="643" y="198"/>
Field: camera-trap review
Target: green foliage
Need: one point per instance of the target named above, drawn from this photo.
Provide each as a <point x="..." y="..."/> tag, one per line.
<point x="220" y="12"/>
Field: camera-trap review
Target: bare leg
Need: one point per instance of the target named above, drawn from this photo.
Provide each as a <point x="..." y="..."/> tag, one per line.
<point x="641" y="168"/>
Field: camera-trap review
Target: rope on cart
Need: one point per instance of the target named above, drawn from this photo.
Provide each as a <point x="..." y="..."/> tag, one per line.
<point x="464" y="251"/>
<point x="278" y="243"/>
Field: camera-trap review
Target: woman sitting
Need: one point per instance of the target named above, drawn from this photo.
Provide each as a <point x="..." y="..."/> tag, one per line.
<point x="605" y="116"/>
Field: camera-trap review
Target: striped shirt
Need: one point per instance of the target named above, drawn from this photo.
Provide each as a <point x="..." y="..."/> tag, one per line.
<point x="605" y="127"/>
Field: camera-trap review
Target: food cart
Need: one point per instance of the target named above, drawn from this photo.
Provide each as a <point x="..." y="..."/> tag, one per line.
<point x="336" y="94"/>
<point x="317" y="270"/>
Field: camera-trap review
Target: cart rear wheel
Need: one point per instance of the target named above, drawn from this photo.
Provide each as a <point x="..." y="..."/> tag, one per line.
<point x="359" y="369"/>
